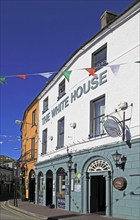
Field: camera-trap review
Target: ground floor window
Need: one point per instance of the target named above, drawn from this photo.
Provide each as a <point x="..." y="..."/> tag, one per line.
<point x="60" y="183"/>
<point x="40" y="188"/>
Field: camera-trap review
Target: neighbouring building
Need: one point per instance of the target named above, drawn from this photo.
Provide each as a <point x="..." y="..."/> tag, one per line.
<point x="29" y="129"/>
<point x="6" y="175"/>
<point x="89" y="125"/>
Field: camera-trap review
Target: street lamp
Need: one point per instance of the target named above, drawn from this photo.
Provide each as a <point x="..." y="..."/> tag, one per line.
<point x="18" y="122"/>
<point x="69" y="164"/>
<point x="15" y="183"/>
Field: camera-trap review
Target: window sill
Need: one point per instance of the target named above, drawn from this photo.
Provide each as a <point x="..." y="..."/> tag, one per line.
<point x="59" y="147"/>
<point x="96" y="136"/>
<point x="45" y="111"/>
<point x="99" y="68"/>
<point x="59" y="97"/>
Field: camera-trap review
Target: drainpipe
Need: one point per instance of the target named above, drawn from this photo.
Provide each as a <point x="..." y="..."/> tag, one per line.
<point x="87" y="187"/>
<point x="108" y="193"/>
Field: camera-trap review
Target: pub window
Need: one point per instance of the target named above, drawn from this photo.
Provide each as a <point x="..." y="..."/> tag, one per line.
<point x="33" y="117"/>
<point x="60" y="188"/>
<point x="97" y="114"/>
<point x="61" y="91"/>
<point x="45" y="105"/>
<point x="44" y="142"/>
<point x="40" y="188"/>
<point x="32" y="148"/>
<point x="60" y="139"/>
<point x="99" y="57"/>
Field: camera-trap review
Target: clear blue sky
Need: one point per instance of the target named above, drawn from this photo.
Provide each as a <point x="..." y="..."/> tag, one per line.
<point x="39" y="36"/>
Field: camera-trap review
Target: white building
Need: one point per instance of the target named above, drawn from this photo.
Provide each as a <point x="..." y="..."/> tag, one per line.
<point x="88" y="118"/>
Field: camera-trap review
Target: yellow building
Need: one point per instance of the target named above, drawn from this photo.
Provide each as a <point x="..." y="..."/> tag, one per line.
<point x="29" y="129"/>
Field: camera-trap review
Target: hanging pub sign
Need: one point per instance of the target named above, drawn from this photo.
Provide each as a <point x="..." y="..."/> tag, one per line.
<point x="120" y="183"/>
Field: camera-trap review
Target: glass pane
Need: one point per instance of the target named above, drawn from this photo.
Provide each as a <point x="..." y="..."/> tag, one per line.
<point x="97" y="116"/>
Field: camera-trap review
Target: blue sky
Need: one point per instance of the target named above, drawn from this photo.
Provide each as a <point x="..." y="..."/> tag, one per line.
<point x="39" y="36"/>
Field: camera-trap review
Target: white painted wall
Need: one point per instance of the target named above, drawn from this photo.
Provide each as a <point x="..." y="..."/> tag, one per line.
<point x="123" y="46"/>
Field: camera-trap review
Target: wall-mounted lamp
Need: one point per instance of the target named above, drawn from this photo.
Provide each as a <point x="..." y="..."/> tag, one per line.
<point x="119" y="160"/>
<point x="123" y="106"/>
<point x="73" y="125"/>
<point x="70" y="163"/>
<point x="50" y="138"/>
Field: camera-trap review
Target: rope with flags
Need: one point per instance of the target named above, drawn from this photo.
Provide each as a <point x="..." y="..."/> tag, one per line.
<point x="66" y="73"/>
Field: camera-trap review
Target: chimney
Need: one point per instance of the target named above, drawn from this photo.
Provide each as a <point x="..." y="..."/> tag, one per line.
<point x="106" y="18"/>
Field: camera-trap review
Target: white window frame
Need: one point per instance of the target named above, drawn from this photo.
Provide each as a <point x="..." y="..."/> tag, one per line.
<point x="97" y="114"/>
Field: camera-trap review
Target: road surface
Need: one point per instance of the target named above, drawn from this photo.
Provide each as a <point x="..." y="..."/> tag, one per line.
<point x="6" y="213"/>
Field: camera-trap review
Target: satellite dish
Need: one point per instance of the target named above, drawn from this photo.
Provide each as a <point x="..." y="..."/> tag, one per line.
<point x="112" y="127"/>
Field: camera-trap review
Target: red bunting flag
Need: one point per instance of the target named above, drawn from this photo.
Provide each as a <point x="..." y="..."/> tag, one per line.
<point x="22" y="76"/>
<point x="91" y="71"/>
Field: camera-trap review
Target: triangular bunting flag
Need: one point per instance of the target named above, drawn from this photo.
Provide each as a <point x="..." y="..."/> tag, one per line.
<point x="114" y="68"/>
<point x="91" y="71"/>
<point x="22" y="76"/>
<point x="46" y="75"/>
<point x="67" y="74"/>
<point x="137" y="61"/>
<point x="2" y="80"/>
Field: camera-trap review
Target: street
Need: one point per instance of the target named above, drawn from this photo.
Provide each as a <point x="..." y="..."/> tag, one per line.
<point x="7" y="213"/>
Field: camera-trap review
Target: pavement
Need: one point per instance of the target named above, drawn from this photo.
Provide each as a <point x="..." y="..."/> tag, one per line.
<point x="46" y="213"/>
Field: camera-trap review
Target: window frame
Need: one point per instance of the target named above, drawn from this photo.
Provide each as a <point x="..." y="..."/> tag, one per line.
<point x="45" y="108"/>
<point x="102" y="62"/>
<point x="32" y="148"/>
<point x="96" y="129"/>
<point x="60" y="134"/>
<point x="34" y="118"/>
<point x="44" y="141"/>
<point x="61" y="85"/>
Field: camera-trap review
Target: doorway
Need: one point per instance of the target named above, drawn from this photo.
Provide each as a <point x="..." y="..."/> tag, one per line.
<point x="32" y="186"/>
<point x="97" y="194"/>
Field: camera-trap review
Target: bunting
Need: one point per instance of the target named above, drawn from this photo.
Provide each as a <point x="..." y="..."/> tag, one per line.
<point x="67" y="74"/>
<point x="2" y="80"/>
<point x="22" y="76"/>
<point x="91" y="71"/>
<point x="114" y="68"/>
<point x="9" y="138"/>
<point x="46" y="75"/>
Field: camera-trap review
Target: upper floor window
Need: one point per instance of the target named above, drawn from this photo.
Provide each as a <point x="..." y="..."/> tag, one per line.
<point x="97" y="113"/>
<point x="60" y="139"/>
<point x="32" y="148"/>
<point x="99" y="57"/>
<point x="61" y="91"/>
<point x="34" y="117"/>
<point x="45" y="105"/>
<point x="44" y="142"/>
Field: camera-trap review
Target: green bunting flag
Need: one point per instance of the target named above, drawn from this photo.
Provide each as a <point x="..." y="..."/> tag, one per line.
<point x="137" y="61"/>
<point x="67" y="74"/>
<point x="2" y="80"/>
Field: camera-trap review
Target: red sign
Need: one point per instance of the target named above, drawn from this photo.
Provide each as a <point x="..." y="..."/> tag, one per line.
<point x="120" y="183"/>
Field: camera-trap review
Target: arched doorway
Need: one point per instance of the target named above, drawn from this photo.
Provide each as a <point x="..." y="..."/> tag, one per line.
<point x="49" y="187"/>
<point x="32" y="186"/>
<point x="99" y="187"/>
